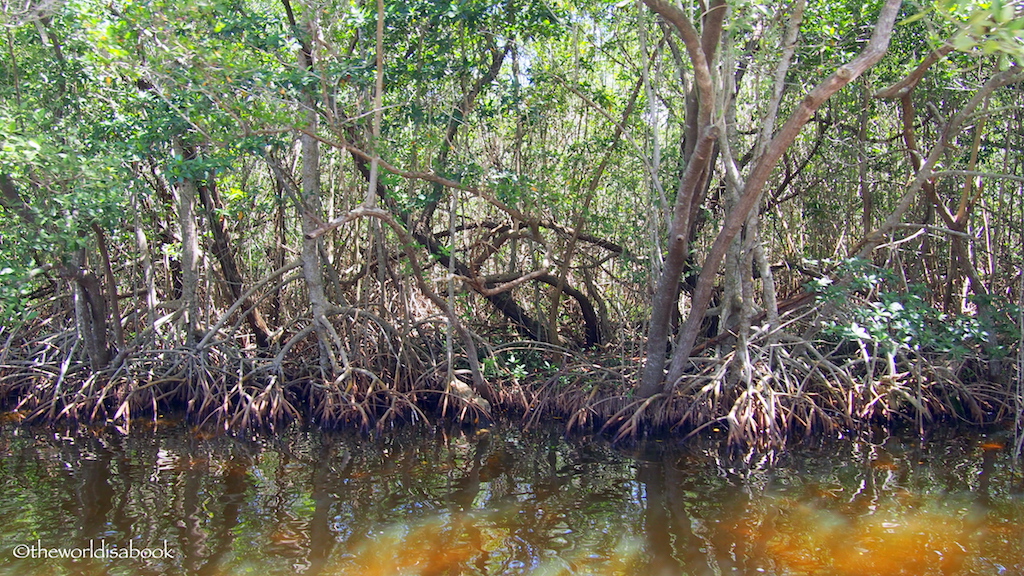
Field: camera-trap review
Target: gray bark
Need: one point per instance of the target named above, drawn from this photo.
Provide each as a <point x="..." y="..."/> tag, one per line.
<point x="186" y="189"/>
<point x="309" y="207"/>
<point x="873" y="52"/>
<point x="701" y="137"/>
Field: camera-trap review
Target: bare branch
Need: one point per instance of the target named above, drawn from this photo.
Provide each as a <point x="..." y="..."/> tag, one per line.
<point x="906" y="85"/>
<point x="425" y="176"/>
<point x="479" y="283"/>
<point x="925" y="174"/>
<point x="872" y="53"/>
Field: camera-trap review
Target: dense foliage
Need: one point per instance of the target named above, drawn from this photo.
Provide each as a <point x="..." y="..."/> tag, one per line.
<point x="784" y="216"/>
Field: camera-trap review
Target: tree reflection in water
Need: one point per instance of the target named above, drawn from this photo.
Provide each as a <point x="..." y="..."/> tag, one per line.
<point x="507" y="501"/>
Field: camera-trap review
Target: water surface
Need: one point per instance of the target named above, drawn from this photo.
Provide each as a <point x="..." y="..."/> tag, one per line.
<point x="503" y="501"/>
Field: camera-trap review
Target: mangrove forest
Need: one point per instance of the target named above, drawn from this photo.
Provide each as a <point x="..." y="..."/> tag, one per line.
<point x="762" y="220"/>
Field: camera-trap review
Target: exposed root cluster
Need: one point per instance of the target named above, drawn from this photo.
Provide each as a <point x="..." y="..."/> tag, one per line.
<point x="773" y="392"/>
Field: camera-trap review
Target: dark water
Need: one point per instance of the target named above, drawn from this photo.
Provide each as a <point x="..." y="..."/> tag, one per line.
<point x="501" y="502"/>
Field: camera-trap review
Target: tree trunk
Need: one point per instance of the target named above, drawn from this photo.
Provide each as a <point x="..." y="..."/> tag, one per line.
<point x="225" y="254"/>
<point x="280" y="238"/>
<point x="108" y="276"/>
<point x="142" y="243"/>
<point x="309" y="207"/>
<point x="90" y="307"/>
<point x="186" y="188"/>
<point x="698" y="149"/>
<point x="90" y="311"/>
<point x="652" y="381"/>
<point x="311" y="266"/>
<point x="667" y="292"/>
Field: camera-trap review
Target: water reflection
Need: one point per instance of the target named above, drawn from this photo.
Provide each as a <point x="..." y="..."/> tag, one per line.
<point x="503" y="501"/>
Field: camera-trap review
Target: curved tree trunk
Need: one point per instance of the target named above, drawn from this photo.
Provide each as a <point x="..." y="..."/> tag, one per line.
<point x="224" y="252"/>
<point x="90" y="312"/>
<point x="654" y="379"/>
<point x="697" y="153"/>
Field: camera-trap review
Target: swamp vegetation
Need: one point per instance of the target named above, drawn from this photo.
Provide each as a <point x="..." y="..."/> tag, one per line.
<point x="774" y="219"/>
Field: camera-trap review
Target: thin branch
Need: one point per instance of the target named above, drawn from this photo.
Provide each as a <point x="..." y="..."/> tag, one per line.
<point x="976" y="174"/>
<point x="788" y="49"/>
<point x="371" y="195"/>
<point x="925" y="174"/>
<point x="905" y="86"/>
<point x="425" y="176"/>
<point x="478" y="282"/>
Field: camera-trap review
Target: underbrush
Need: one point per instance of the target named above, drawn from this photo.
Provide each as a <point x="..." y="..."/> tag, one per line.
<point x="863" y="353"/>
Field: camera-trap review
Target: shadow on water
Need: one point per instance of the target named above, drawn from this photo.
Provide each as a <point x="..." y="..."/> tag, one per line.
<point x="501" y="501"/>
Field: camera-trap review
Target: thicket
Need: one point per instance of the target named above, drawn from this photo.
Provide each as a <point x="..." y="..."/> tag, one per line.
<point x="778" y="218"/>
